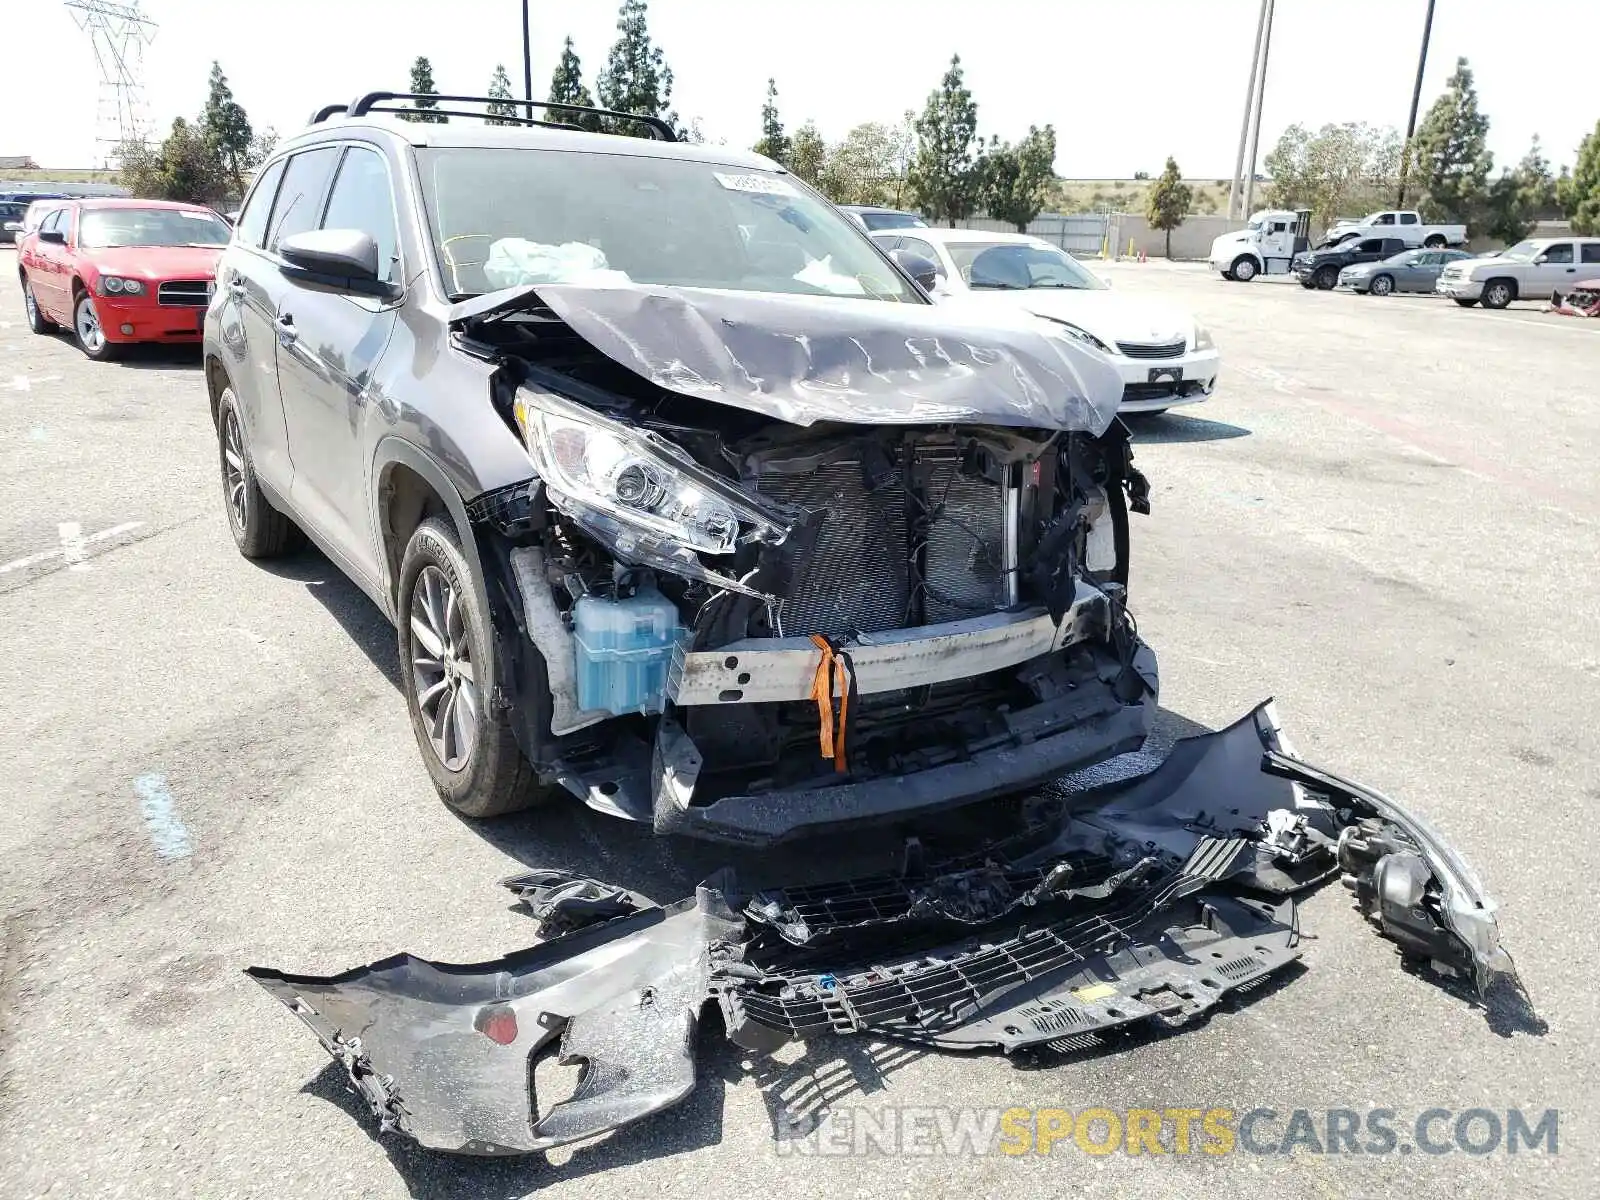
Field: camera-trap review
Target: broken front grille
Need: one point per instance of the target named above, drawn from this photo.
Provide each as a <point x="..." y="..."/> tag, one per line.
<point x="888" y="521"/>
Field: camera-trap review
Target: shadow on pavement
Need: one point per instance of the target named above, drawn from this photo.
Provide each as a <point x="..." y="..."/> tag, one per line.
<point x="1174" y="427"/>
<point x="359" y="617"/>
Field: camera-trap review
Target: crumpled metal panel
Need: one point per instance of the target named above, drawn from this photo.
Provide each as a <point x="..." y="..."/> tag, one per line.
<point x="804" y="359"/>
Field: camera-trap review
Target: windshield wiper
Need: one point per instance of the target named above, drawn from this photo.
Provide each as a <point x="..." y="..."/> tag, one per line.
<point x="996" y="287"/>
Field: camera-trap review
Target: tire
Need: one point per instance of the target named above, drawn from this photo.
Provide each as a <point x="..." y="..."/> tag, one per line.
<point x="1381" y="285"/>
<point x="1244" y="269"/>
<point x="1435" y="242"/>
<point x="447" y="659"/>
<point x="1326" y="278"/>
<point x="37" y="321"/>
<point x="1308" y="284"/>
<point x="86" y="329"/>
<point x="1498" y="293"/>
<point x="259" y="530"/>
<point x="1464" y="303"/>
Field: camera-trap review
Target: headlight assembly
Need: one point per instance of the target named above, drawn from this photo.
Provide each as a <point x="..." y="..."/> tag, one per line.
<point x="606" y="466"/>
<point x="1083" y="335"/>
<point x="1202" y="338"/>
<point x="118" y="285"/>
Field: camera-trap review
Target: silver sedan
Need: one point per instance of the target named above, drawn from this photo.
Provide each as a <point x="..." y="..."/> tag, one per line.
<point x="1408" y="271"/>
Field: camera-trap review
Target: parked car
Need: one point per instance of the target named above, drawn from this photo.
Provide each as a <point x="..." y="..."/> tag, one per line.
<point x="1321" y="268"/>
<point x="871" y="217"/>
<point x="1162" y="354"/>
<point x="121" y="271"/>
<point x="1265" y="246"/>
<point x="1405" y="224"/>
<point x="1530" y="269"/>
<point x="1408" y="271"/>
<point x="11" y="213"/>
<point x="637" y="442"/>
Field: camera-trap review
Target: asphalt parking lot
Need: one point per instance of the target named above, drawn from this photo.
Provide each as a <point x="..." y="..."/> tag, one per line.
<point x="1388" y="517"/>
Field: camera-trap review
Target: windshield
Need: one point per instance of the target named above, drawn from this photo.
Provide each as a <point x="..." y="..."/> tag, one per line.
<point x="1522" y="251"/>
<point x="1255" y="225"/>
<point x="108" y="227"/>
<point x="892" y="220"/>
<point x="503" y="217"/>
<point x="1019" y="266"/>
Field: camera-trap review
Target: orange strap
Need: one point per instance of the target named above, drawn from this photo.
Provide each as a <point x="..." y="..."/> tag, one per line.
<point x="833" y="669"/>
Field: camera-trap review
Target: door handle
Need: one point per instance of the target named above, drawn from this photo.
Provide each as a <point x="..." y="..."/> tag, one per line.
<point x="286" y="330"/>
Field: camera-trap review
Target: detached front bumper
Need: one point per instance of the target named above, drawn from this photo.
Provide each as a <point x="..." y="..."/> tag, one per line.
<point x="1148" y="900"/>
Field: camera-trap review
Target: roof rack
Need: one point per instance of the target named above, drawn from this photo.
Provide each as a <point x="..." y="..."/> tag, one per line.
<point x="383" y="102"/>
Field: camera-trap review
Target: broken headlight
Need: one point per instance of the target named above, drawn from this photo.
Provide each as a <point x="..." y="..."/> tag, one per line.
<point x="609" y="467"/>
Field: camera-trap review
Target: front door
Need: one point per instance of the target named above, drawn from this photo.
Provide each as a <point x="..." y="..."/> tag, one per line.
<point x="1555" y="270"/>
<point x="328" y="344"/>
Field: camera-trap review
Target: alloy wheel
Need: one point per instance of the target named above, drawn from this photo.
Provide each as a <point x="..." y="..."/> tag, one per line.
<point x="87" y="323"/>
<point x="1382" y="286"/>
<point x="31" y="305"/>
<point x="442" y="671"/>
<point x="233" y="477"/>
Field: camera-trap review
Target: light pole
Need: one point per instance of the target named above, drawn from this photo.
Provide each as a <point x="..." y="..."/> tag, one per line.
<point x="1255" y="127"/>
<point x="527" y="56"/>
<point x="1416" y="98"/>
<point x="1249" y="107"/>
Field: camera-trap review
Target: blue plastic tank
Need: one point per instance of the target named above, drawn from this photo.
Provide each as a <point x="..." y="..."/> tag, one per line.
<point x="624" y="650"/>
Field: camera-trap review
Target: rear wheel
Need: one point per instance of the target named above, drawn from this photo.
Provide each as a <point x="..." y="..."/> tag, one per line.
<point x="37" y="321"/>
<point x="1244" y="269"/>
<point x="1498" y="293"/>
<point x="259" y="530"/>
<point x="86" y="327"/>
<point x="446" y="655"/>
<point x="1381" y="285"/>
<point x="1435" y="242"/>
<point x="1326" y="278"/>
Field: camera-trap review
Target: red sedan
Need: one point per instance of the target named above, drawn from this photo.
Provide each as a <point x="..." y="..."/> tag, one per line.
<point x="120" y="271"/>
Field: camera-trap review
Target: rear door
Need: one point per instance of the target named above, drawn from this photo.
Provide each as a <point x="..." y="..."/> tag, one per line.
<point x="1588" y="261"/>
<point x="249" y="283"/>
<point x="328" y="344"/>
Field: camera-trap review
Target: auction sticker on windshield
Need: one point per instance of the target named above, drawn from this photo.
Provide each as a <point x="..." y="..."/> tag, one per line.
<point x="763" y="185"/>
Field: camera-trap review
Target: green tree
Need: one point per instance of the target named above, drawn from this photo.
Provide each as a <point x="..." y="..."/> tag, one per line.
<point x="1449" y="159"/>
<point x="1167" y="202"/>
<point x="225" y="126"/>
<point x="945" y="172"/>
<point x="567" y="87"/>
<point x="1338" y="171"/>
<point x="808" y="154"/>
<point x="500" y="96"/>
<point x="636" y="78"/>
<point x="1017" y="179"/>
<point x="866" y="167"/>
<point x="774" y="142"/>
<point x="422" y="85"/>
<point x="1521" y="196"/>
<point x="184" y="167"/>
<point x="1580" y="193"/>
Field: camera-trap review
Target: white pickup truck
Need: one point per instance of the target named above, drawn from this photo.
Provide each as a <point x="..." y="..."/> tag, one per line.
<point x="1405" y="224"/>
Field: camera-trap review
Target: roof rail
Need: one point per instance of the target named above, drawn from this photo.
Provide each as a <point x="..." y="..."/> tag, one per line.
<point x="382" y="102"/>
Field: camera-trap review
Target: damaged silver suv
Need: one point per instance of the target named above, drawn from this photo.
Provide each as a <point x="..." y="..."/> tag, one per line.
<point x="681" y="494"/>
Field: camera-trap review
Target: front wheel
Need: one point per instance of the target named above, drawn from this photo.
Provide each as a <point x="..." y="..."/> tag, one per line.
<point x="446" y="655"/>
<point x="37" y="321"/>
<point x="1244" y="269"/>
<point x="86" y="326"/>
<point x="1498" y="294"/>
<point x="1381" y="285"/>
<point x="1326" y="278"/>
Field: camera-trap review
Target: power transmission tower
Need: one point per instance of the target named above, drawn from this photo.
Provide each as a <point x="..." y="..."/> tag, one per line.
<point x="119" y="34"/>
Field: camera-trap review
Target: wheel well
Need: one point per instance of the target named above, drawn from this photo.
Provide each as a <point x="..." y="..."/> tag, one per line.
<point x="77" y="286"/>
<point x="405" y="500"/>
<point x="216" y="380"/>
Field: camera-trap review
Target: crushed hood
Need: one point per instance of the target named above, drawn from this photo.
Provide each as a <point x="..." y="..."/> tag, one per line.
<point x="804" y="359"/>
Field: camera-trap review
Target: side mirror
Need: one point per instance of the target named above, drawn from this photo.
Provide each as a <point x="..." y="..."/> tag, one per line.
<point x="54" y="236"/>
<point x="1541" y="260"/>
<point x="344" y="260"/>
<point x="923" y="270"/>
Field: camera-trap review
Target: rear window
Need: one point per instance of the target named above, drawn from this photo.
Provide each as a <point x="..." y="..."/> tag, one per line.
<point x="1591" y="252"/>
<point x="506" y="216"/>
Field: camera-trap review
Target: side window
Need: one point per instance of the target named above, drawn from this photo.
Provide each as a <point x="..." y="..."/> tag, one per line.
<point x="1591" y="252"/>
<point x="1280" y="227"/>
<point x="918" y="246"/>
<point x="305" y="182"/>
<point x="362" y="199"/>
<point x="1408" y="218"/>
<point x="1384" y="219"/>
<point x="1559" y="254"/>
<point x="1371" y="246"/>
<point x="52" y="222"/>
<point x="252" y="227"/>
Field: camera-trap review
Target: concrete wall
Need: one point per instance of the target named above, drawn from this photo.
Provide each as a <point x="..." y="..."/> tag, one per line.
<point x="1190" y="240"/>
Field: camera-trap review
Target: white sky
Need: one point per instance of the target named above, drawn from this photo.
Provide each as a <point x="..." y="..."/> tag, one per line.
<point x="1124" y="83"/>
